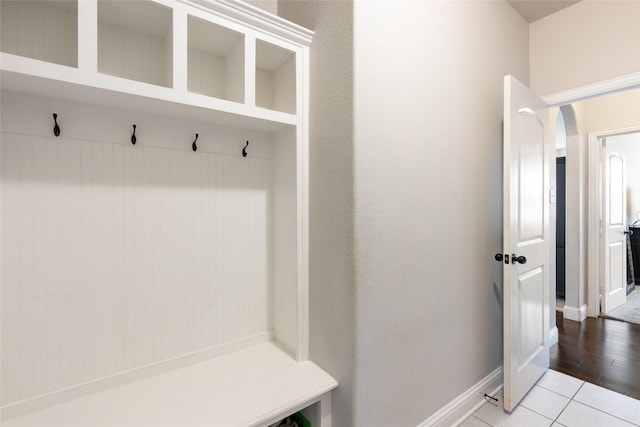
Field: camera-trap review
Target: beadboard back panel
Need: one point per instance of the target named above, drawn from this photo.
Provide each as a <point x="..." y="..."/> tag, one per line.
<point x="133" y="55"/>
<point x="44" y="30"/>
<point x="135" y="41"/>
<point x="117" y="256"/>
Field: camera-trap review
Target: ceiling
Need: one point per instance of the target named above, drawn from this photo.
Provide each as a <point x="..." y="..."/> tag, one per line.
<point x="532" y="10"/>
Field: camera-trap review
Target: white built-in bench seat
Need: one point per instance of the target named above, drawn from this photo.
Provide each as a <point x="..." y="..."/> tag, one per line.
<point x="256" y="386"/>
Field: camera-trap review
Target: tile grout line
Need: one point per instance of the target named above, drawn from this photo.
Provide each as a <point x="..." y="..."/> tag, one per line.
<point x="571" y="399"/>
<point x="482" y="421"/>
<point x="569" y="402"/>
<point x="559" y="394"/>
<point x="604" y="412"/>
<point x="594" y="408"/>
<point x="589" y="406"/>
<point x="563" y="409"/>
<point x="538" y="413"/>
<point x="555" y="392"/>
<point x="578" y="390"/>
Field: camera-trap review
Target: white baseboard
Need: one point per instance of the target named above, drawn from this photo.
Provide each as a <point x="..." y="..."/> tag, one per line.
<point x="577" y="314"/>
<point x="64" y="395"/>
<point x="460" y="408"/>
<point x="553" y="336"/>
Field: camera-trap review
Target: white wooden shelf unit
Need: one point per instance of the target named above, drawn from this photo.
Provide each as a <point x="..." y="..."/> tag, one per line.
<point x="149" y="284"/>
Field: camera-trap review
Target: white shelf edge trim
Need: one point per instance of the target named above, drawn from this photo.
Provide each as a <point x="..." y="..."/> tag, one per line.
<point x="65" y="395"/>
<point x="36" y="69"/>
<point x="467" y="403"/>
<point x="604" y="87"/>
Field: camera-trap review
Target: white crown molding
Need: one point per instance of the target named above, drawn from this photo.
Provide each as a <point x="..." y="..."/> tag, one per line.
<point x="604" y="87"/>
<point x="254" y="16"/>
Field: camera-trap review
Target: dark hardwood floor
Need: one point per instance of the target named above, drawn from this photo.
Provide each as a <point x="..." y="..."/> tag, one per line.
<point x="600" y="351"/>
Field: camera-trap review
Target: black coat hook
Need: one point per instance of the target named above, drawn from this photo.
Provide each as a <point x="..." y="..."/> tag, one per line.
<point x="133" y="136"/>
<point x="194" y="147"/>
<point x="56" y="128"/>
<point x="244" y="150"/>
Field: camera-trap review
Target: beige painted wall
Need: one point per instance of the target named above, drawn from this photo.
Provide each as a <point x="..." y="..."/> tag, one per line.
<point x="420" y="289"/>
<point x="402" y="280"/>
<point x="428" y="213"/>
<point x="588" y="42"/>
<point x="615" y="111"/>
<point x="331" y="274"/>
<point x="268" y="5"/>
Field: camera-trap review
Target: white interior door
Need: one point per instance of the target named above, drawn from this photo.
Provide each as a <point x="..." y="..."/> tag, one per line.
<point x="614" y="238"/>
<point x="527" y="149"/>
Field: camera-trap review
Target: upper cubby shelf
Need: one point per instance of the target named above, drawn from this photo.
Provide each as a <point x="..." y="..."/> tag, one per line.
<point x="215" y="60"/>
<point x="135" y="41"/>
<point x="44" y="30"/>
<point x="275" y="77"/>
<point x="219" y="60"/>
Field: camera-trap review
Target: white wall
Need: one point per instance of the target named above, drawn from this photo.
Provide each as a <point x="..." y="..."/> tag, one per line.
<point x="576" y="213"/>
<point x="599" y="38"/>
<point x="426" y="290"/>
<point x="331" y="274"/>
<point x="428" y="213"/>
<point x="270" y="6"/>
<point x="628" y="146"/>
<point x="615" y="111"/>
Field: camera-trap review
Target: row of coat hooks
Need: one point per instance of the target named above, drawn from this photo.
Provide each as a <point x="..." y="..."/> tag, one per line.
<point x="194" y="146"/>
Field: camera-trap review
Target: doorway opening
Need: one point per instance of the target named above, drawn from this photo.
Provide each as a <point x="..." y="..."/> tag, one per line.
<point x="615" y="229"/>
<point x="560" y="217"/>
<point x="585" y="120"/>
<point x="595" y="349"/>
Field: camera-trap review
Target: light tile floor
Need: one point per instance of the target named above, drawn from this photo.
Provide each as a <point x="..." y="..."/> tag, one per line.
<point x="560" y="400"/>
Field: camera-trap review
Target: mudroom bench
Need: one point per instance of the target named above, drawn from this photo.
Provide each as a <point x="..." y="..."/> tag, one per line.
<point x="155" y="216"/>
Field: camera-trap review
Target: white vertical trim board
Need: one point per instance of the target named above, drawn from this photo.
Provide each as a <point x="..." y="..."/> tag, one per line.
<point x="460" y="408"/>
<point x="553" y="336"/>
<point x="118" y="257"/>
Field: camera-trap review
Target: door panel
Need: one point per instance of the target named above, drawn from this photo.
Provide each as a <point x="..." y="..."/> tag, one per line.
<point x="531" y="288"/>
<point x="615" y="240"/>
<point x="531" y="180"/>
<point x="527" y="153"/>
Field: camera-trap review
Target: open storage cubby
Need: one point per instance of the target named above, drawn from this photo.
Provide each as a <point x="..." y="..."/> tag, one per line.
<point x="215" y="60"/>
<point x="275" y="77"/>
<point x="44" y="30"/>
<point x="135" y="41"/>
